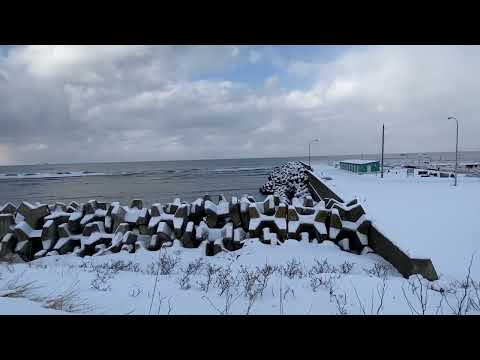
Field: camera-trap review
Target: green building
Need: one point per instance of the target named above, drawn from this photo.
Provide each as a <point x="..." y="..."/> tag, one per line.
<point x="360" y="166"/>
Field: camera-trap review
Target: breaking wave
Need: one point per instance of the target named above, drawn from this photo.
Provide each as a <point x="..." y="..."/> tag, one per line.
<point x="136" y="173"/>
<point x="60" y="174"/>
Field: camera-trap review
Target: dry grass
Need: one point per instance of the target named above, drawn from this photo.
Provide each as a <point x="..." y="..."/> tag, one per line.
<point x="68" y="301"/>
<point x="17" y="288"/>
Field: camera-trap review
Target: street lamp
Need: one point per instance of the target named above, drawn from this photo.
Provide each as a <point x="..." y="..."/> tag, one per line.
<point x="309" y="144"/>
<point x="383" y="145"/>
<point x="456" y="150"/>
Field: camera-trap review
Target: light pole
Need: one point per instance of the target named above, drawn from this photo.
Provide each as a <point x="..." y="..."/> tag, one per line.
<point x="309" y="144"/>
<point x="456" y="150"/>
<point x="383" y="145"/>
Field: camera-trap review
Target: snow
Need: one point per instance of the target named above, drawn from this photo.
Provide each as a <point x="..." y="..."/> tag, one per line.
<point x="164" y="228"/>
<point x="57" y="214"/>
<point x="88" y="240"/>
<point x="36" y="234"/>
<point x="87" y="218"/>
<point x="223" y="208"/>
<point x="19" y="217"/>
<point x="178" y="222"/>
<point x="41" y="252"/>
<point x="100" y="213"/>
<point x="62" y="241"/>
<point x="299" y="298"/>
<point x="209" y="205"/>
<point x="238" y="234"/>
<point x="53" y="272"/>
<point x="304" y="237"/>
<point x="204" y="232"/>
<point x="117" y="239"/>
<point x="131" y="290"/>
<point x="189" y="227"/>
<point x="344" y="244"/>
<point x="353" y="225"/>
<point x="281" y="223"/>
<point x="23" y="226"/>
<point x="320" y="227"/>
<point x="425" y="217"/>
<point x="47" y="224"/>
<point x="367" y="250"/>
<point x="22" y="306"/>
<point x="153" y="222"/>
<point x="244" y="204"/>
<point x="297" y="203"/>
<point x="132" y="214"/>
<point x="116" y="208"/>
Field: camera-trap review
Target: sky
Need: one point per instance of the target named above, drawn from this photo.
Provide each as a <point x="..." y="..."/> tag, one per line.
<point x="78" y="103"/>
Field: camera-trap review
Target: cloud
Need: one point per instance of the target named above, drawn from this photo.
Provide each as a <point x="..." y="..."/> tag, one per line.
<point x="58" y="61"/>
<point x="122" y="103"/>
<point x="254" y="56"/>
<point x="272" y="82"/>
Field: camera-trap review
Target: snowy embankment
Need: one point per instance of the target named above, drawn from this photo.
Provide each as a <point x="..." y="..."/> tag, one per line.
<point x="426" y="217"/>
<point x="292" y="278"/>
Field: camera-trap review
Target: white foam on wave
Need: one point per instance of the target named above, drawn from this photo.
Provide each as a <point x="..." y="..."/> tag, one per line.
<point x="47" y="175"/>
<point x="63" y="174"/>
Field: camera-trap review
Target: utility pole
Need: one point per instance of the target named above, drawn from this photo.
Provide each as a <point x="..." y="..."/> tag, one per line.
<point x="456" y="156"/>
<point x="309" y="144"/>
<point x="383" y="145"/>
<point x="456" y="151"/>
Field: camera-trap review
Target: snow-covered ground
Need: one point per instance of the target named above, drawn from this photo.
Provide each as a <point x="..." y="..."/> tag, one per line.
<point x="426" y="216"/>
<point x="292" y="278"/>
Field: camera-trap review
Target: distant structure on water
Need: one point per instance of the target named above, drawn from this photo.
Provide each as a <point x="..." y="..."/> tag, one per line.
<point x="471" y="165"/>
<point x="360" y="166"/>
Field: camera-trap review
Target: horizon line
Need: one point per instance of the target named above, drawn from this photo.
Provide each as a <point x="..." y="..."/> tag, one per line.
<point x="239" y="158"/>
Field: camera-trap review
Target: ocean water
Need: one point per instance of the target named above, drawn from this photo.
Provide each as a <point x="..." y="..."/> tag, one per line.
<point x="160" y="181"/>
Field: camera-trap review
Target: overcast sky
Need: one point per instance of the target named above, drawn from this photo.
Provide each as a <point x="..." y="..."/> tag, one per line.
<point x="128" y="103"/>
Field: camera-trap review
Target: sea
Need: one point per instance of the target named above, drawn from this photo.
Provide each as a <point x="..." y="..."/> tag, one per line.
<point x="162" y="181"/>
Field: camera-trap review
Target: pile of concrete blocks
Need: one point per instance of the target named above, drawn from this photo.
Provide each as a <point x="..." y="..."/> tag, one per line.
<point x="29" y="220"/>
<point x="349" y="226"/>
<point x="197" y="210"/>
<point x="217" y="239"/>
<point x="98" y="228"/>
<point x="287" y="181"/>
<point x="243" y="205"/>
<point x="7" y="238"/>
<point x="311" y="221"/>
<point x="93" y="211"/>
<point x="268" y="216"/>
<point x="217" y="214"/>
<point x="8" y="208"/>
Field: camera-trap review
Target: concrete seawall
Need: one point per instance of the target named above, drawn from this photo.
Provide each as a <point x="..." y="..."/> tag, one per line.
<point x="320" y="190"/>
